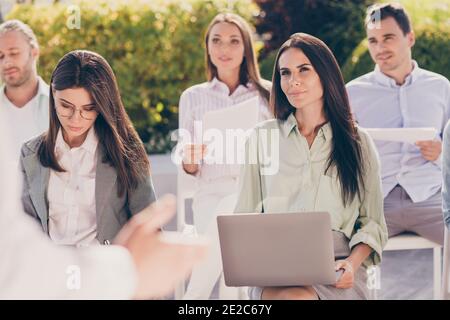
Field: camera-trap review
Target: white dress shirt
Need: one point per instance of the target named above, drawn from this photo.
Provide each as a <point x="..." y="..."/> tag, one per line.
<point x="197" y="100"/>
<point x="32" y="267"/>
<point x="422" y="101"/>
<point x="71" y="194"/>
<point x="30" y="120"/>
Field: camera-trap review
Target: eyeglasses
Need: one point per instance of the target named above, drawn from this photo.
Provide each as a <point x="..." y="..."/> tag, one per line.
<point x="68" y="112"/>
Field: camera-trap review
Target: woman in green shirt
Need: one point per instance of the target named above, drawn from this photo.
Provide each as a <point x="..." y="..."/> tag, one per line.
<point x="313" y="157"/>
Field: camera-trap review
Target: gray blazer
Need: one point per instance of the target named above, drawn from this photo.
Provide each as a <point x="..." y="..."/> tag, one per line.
<point x="112" y="211"/>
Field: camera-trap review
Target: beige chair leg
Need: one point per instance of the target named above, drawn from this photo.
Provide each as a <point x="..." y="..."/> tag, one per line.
<point x="446" y="269"/>
<point x="437" y="263"/>
<point x="181" y="221"/>
<point x="181" y="287"/>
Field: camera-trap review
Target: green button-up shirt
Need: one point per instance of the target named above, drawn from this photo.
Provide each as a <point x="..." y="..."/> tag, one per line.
<point x="283" y="174"/>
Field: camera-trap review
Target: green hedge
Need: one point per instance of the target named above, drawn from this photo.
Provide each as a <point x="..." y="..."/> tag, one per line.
<point x="266" y="65"/>
<point x="156" y="50"/>
<point x="431" y="51"/>
<point x="339" y="23"/>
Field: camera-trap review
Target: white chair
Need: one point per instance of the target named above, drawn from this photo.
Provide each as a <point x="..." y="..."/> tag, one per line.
<point x="446" y="271"/>
<point x="186" y="188"/>
<point x="412" y="241"/>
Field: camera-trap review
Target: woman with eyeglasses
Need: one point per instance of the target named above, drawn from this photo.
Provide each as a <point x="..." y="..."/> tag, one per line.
<point x="89" y="173"/>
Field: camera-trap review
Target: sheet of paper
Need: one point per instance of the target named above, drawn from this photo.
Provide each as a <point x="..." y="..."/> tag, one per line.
<point x="410" y="135"/>
<point x="225" y="131"/>
<point x="243" y="115"/>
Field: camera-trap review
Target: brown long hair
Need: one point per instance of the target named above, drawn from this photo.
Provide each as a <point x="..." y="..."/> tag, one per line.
<point x="248" y="71"/>
<point x="120" y="141"/>
<point x="346" y="154"/>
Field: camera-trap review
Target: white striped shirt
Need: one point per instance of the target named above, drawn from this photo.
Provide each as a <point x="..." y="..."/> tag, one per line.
<point x="210" y="96"/>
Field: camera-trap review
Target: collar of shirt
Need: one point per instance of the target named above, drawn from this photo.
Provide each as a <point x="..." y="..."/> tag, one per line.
<point x="387" y="81"/>
<point x="219" y="86"/>
<point x="90" y="143"/>
<point x="291" y="122"/>
<point x="43" y="90"/>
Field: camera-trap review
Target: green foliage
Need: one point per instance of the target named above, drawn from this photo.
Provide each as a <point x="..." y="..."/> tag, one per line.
<point x="339" y="23"/>
<point x="266" y="65"/>
<point x="155" y="49"/>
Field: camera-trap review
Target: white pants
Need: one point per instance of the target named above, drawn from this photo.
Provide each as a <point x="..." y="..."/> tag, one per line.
<point x="212" y="199"/>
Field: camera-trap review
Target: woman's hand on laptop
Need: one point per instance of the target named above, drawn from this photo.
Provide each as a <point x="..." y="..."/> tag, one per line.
<point x="347" y="278"/>
<point x="350" y="265"/>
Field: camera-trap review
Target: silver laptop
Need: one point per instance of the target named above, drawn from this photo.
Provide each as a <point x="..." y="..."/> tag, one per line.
<point x="282" y="249"/>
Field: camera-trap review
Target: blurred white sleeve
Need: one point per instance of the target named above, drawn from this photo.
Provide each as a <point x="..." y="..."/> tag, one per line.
<point x="32" y="267"/>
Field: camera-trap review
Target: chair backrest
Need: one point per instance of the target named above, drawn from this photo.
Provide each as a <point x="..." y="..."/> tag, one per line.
<point x="412" y="241"/>
<point x="409" y="241"/>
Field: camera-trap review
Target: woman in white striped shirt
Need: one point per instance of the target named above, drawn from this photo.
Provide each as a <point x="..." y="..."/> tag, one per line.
<point x="233" y="77"/>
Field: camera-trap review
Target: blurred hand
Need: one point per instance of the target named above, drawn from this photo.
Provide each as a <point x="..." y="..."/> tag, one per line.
<point x="348" y="277"/>
<point x="193" y="154"/>
<point x="160" y="265"/>
<point x="430" y="149"/>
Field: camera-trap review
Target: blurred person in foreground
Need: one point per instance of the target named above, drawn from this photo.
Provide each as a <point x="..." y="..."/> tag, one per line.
<point x="139" y="265"/>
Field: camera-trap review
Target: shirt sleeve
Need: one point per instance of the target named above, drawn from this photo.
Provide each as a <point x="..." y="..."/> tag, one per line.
<point x="186" y="119"/>
<point x="186" y="123"/>
<point x="249" y="191"/>
<point x="38" y="269"/>
<point x="446" y="175"/>
<point x="440" y="160"/>
<point x="249" y="183"/>
<point x="370" y="226"/>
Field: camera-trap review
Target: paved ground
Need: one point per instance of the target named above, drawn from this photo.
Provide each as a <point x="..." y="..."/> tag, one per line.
<point x="407" y="275"/>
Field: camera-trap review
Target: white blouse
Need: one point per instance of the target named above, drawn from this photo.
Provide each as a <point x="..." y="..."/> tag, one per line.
<point x="197" y="100"/>
<point x="71" y="194"/>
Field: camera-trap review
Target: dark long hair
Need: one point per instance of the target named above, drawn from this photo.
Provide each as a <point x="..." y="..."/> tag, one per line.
<point x="120" y="141"/>
<point x="346" y="154"/>
<point x="249" y="70"/>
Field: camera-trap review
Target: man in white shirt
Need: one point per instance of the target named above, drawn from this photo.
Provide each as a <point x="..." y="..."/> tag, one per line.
<point x="23" y="95"/>
<point x="399" y="94"/>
